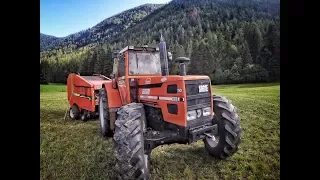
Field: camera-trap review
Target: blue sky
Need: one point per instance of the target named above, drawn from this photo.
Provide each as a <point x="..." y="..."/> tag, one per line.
<point x="63" y="17"/>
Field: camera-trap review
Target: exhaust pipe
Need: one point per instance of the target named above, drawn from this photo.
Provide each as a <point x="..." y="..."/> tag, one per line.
<point x="163" y="57"/>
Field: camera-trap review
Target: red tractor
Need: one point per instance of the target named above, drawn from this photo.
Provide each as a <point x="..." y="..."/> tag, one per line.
<point x="142" y="107"/>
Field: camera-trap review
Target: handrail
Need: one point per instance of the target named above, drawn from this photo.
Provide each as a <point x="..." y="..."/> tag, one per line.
<point x="100" y="75"/>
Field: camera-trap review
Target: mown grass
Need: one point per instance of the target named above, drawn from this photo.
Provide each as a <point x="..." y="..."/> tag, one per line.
<point x="74" y="150"/>
<point x="53" y="88"/>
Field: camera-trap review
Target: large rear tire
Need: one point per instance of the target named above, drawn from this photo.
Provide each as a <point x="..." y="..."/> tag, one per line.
<point x="104" y="114"/>
<point x="131" y="161"/>
<point x="225" y="143"/>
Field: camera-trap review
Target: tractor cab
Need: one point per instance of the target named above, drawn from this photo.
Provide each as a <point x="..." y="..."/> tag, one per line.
<point x="141" y="61"/>
<point x="136" y="61"/>
<point x="131" y="64"/>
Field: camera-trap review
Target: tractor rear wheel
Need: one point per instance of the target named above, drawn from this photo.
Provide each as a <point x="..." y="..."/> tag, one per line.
<point x="225" y="143"/>
<point x="104" y="114"/>
<point x="131" y="160"/>
<point x="74" y="112"/>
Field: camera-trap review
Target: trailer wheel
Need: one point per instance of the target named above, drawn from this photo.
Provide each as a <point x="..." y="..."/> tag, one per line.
<point x="132" y="162"/>
<point x="74" y="112"/>
<point x="83" y="117"/>
<point x="104" y="114"/>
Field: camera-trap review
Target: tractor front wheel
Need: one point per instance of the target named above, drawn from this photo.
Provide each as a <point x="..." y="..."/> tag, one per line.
<point x="131" y="160"/>
<point x="225" y="142"/>
<point x="104" y="114"/>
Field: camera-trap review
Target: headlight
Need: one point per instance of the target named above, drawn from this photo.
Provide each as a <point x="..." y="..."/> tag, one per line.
<point x="191" y="115"/>
<point x="206" y="111"/>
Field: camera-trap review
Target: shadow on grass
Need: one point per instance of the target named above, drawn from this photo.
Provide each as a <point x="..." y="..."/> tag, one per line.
<point x="56" y="114"/>
<point x="183" y="161"/>
<point x="195" y="160"/>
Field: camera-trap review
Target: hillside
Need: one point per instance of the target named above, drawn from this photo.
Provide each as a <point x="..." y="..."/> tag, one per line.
<point x="192" y="19"/>
<point x="230" y="41"/>
<point x="47" y="41"/>
<point x="100" y="32"/>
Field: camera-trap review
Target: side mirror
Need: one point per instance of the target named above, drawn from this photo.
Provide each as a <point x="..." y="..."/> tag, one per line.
<point x="115" y="53"/>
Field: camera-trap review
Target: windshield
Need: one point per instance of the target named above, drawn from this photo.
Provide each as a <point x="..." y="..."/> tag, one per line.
<point x="144" y="63"/>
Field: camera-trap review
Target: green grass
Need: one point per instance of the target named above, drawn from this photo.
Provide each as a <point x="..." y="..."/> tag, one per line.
<point x="53" y="88"/>
<point x="74" y="150"/>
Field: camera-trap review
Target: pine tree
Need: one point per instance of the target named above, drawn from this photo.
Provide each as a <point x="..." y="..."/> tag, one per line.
<point x="254" y="39"/>
<point x="85" y="66"/>
<point x="43" y="79"/>
<point x="265" y="58"/>
<point x="202" y="61"/>
<point x="272" y="43"/>
<point x="108" y="63"/>
<point x="92" y="61"/>
<point x="101" y="58"/>
<point x="195" y="58"/>
<point x="189" y="49"/>
<point x="245" y="55"/>
<point x="235" y="74"/>
<point x="73" y="66"/>
<point x="178" y="51"/>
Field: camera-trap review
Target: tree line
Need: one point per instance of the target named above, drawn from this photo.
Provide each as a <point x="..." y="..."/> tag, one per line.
<point x="230" y="41"/>
<point x="94" y="61"/>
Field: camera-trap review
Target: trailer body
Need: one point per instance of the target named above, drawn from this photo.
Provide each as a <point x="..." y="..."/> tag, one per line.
<point x="83" y="94"/>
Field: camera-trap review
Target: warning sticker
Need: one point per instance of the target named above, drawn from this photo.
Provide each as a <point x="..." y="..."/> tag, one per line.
<point x="145" y="91"/>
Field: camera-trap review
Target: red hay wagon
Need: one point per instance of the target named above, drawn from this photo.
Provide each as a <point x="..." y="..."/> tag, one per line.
<point x="83" y="95"/>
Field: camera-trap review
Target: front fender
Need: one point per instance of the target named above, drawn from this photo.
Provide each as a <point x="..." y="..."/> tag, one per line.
<point x="114" y="100"/>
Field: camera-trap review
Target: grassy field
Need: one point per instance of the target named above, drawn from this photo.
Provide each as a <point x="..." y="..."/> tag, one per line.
<point x="74" y="150"/>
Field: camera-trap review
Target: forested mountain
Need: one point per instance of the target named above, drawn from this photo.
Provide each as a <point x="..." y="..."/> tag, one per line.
<point x="232" y="41"/>
<point x="100" y="32"/>
<point x="47" y="40"/>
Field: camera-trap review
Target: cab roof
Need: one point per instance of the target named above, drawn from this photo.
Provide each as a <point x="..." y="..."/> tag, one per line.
<point x="138" y="48"/>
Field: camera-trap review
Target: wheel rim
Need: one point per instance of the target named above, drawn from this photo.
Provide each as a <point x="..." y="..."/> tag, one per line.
<point x="213" y="141"/>
<point x="101" y="115"/>
<point x="71" y="113"/>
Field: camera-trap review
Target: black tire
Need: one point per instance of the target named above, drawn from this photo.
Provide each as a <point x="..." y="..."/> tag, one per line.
<point x="227" y="139"/>
<point x="104" y="114"/>
<point x="83" y="117"/>
<point x="74" y="112"/>
<point x="131" y="161"/>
